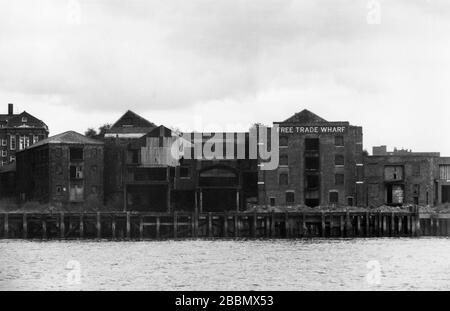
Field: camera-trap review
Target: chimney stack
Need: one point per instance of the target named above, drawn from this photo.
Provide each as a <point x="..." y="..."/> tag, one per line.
<point x="10" y="109"/>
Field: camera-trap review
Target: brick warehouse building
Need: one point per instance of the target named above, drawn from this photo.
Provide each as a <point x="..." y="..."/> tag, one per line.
<point x="320" y="163"/>
<point x="63" y="169"/>
<point x="17" y="132"/>
<point x="405" y="177"/>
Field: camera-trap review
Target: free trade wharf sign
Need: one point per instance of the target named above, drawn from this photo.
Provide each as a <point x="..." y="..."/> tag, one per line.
<point x="312" y="129"/>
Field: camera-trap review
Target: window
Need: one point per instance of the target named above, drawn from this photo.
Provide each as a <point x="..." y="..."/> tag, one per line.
<point x="339" y="141"/>
<point x="312" y="163"/>
<point x="24" y="142"/>
<point x="284" y="159"/>
<point x="4" y="142"/>
<point x="24" y="119"/>
<point x="444" y="172"/>
<point x="284" y="141"/>
<point x="184" y="172"/>
<point x="339" y="179"/>
<point x="312" y="182"/>
<point x="416" y="190"/>
<point x="76" y="172"/>
<point x="393" y="172"/>
<point x="12" y="159"/>
<point x="94" y="153"/>
<point x="76" y="154"/>
<point x="290" y="197"/>
<point x="272" y="201"/>
<point x="59" y="189"/>
<point x="339" y="160"/>
<point x="76" y="193"/>
<point x="312" y="144"/>
<point x="12" y="142"/>
<point x="283" y="179"/>
<point x="350" y="201"/>
<point x="4" y="154"/>
<point x="133" y="156"/>
<point x="35" y="139"/>
<point x="334" y="197"/>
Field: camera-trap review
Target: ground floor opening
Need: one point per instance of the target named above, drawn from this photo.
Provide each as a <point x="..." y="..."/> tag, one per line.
<point x="147" y="198"/>
<point x="219" y="199"/>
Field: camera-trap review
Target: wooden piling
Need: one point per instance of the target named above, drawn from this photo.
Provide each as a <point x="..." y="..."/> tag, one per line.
<point x="236" y="226"/>
<point x="158" y="227"/>
<point x="347" y="224"/>
<point x="272" y="225"/>
<point x="331" y="224"/>
<point x="367" y="223"/>
<point x="385" y="228"/>
<point x="358" y="225"/>
<point x="128" y="226"/>
<point x="225" y="225"/>
<point x="255" y="225"/>
<point x="141" y="227"/>
<point x="210" y="225"/>
<point x="400" y="225"/>
<point x="322" y="224"/>
<point x="341" y="225"/>
<point x="24" y="226"/>
<point x="62" y="226"/>
<point x="392" y="230"/>
<point x="6" y="225"/>
<point x="417" y="220"/>
<point x="44" y="227"/>
<point x="113" y="226"/>
<point x="286" y="225"/>
<point x="99" y="226"/>
<point x="81" y="226"/>
<point x="175" y="225"/>
<point x="303" y="225"/>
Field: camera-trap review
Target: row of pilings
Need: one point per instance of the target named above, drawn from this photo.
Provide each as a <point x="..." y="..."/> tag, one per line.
<point x="147" y="226"/>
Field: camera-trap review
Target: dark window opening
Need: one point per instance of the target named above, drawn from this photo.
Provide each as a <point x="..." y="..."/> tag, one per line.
<point x="284" y="141"/>
<point x="395" y="194"/>
<point x="133" y="156"/>
<point x="145" y="174"/>
<point x="339" y="159"/>
<point x="312" y="163"/>
<point x="283" y="179"/>
<point x="339" y="141"/>
<point x="334" y="197"/>
<point x="339" y="179"/>
<point x="350" y="201"/>
<point x="76" y="172"/>
<point x="184" y="172"/>
<point x="312" y="202"/>
<point x="76" y="154"/>
<point x="284" y="159"/>
<point x="272" y="201"/>
<point x="445" y="194"/>
<point x="312" y="144"/>
<point x="312" y="181"/>
<point x="290" y="197"/>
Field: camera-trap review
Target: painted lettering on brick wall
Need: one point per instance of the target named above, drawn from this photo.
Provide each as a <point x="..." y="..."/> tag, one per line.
<point x="312" y="129"/>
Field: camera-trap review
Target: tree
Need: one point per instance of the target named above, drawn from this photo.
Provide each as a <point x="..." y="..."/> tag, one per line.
<point x="102" y="129"/>
<point x="91" y="133"/>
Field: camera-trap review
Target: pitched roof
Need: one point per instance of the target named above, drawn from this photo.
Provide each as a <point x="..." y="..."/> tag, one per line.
<point x="16" y="120"/>
<point x="130" y="120"/>
<point x="305" y="116"/>
<point x="69" y="137"/>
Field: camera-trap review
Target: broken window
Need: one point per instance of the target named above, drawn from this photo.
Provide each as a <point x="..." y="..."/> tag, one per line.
<point x="395" y="194"/>
<point x="393" y="173"/>
<point x="24" y="142"/>
<point x="339" y="141"/>
<point x="283" y="179"/>
<point x="312" y="144"/>
<point x="312" y="181"/>
<point x="339" y="179"/>
<point x="312" y="163"/>
<point x="445" y="194"/>
<point x="339" y="160"/>
<point x="12" y="142"/>
<point x="334" y="197"/>
<point x="272" y="201"/>
<point x="76" y="172"/>
<point x="290" y="197"/>
<point x="350" y="201"/>
<point x="76" y="154"/>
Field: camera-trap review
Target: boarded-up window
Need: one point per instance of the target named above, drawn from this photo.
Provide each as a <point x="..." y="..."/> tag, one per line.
<point x="312" y="144"/>
<point x="76" y="154"/>
<point x="393" y="172"/>
<point x="416" y="169"/>
<point x="312" y="163"/>
<point x="284" y="141"/>
<point x="76" y="193"/>
<point x="312" y="182"/>
<point x="444" y="172"/>
<point x="283" y="179"/>
<point x="290" y="197"/>
<point x="272" y="201"/>
<point x="339" y="141"/>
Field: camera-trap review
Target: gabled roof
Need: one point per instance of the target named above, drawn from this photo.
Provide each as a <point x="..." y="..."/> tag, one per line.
<point x="130" y="121"/>
<point x="69" y="137"/>
<point x="160" y="131"/>
<point x="16" y="120"/>
<point x="306" y="117"/>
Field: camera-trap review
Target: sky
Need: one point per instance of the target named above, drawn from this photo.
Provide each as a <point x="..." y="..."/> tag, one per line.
<point x="223" y="65"/>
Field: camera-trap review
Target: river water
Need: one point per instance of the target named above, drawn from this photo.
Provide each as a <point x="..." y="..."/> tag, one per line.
<point x="318" y="264"/>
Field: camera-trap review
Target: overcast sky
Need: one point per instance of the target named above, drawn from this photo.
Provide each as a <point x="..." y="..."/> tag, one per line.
<point x="225" y="64"/>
